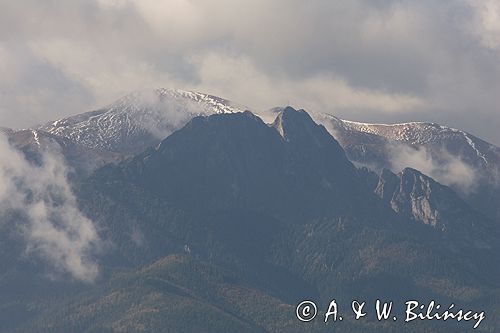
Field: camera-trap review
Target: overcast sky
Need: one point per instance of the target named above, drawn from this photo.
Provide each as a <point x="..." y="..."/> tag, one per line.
<point x="365" y="60"/>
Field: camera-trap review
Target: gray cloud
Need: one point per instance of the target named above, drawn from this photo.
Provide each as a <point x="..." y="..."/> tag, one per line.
<point x="363" y="60"/>
<point x="55" y="229"/>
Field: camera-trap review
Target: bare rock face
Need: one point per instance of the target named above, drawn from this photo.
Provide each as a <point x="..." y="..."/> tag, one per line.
<point x="412" y="195"/>
<point x="424" y="200"/>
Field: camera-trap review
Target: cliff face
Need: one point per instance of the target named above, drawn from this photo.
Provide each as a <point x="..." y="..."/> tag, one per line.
<point x="420" y="198"/>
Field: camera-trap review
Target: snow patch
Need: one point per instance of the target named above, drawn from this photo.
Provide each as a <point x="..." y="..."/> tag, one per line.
<point x="473" y="145"/>
<point x="36" y="137"/>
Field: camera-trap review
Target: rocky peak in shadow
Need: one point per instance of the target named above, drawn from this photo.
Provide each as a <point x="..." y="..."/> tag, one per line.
<point x="292" y="168"/>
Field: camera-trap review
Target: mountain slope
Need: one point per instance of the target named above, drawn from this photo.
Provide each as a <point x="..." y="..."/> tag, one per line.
<point x="127" y="127"/>
<point x="458" y="159"/>
<point x="471" y="149"/>
<point x="242" y="195"/>
<point x="242" y="220"/>
<point x="176" y="293"/>
<point x="34" y="143"/>
<point x="138" y="120"/>
<point x="142" y="119"/>
<point x="233" y="160"/>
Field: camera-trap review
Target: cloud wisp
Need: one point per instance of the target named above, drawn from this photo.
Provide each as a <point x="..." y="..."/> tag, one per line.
<point x="447" y="169"/>
<point x="55" y="229"/>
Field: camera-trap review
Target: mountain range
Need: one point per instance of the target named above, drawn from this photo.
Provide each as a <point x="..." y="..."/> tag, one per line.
<point x="212" y="220"/>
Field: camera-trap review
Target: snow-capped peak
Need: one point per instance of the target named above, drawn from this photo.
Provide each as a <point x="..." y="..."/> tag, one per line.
<point x="410" y="132"/>
<point x="419" y="133"/>
<point x="139" y="119"/>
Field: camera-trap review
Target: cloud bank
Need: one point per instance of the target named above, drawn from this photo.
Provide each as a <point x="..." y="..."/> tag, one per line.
<point x="56" y="231"/>
<point x="382" y="61"/>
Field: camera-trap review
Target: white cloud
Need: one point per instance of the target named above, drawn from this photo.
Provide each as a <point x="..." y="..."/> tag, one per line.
<point x="442" y="166"/>
<point x="106" y="78"/>
<point x="238" y="78"/>
<point x="56" y="230"/>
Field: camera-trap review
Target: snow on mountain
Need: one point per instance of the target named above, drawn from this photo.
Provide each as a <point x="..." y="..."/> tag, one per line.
<point x="34" y="143"/>
<point x="434" y="137"/>
<point x="142" y="119"/>
<point x="453" y="157"/>
<point x="139" y="119"/>
<point x="421" y="133"/>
